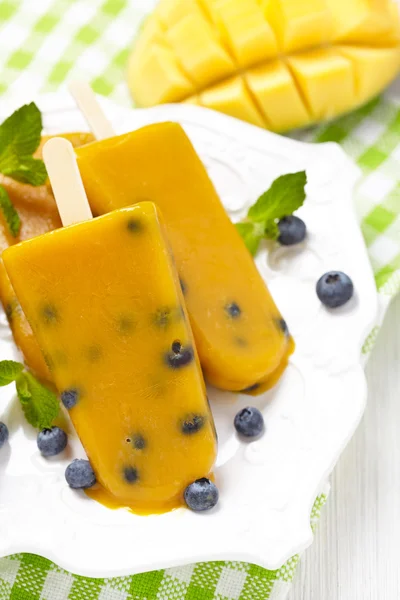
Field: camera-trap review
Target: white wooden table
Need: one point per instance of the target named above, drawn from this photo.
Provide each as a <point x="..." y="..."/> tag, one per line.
<point x="356" y="552"/>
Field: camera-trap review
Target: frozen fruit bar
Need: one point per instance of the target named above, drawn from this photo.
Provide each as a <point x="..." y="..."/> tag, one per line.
<point x="241" y="338"/>
<point x="105" y="304"/>
<point x="38" y="213"/>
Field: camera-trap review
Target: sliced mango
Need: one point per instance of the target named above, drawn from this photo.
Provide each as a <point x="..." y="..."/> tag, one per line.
<point x="158" y="76"/>
<point x="233" y="98"/>
<point x="192" y="100"/>
<point x="374" y="68"/>
<point x="246" y="33"/>
<point x="326" y="80"/>
<point x="299" y="23"/>
<point x="196" y="47"/>
<point x="273" y="86"/>
<point x="170" y="12"/>
<point x="219" y="44"/>
<point x="358" y="20"/>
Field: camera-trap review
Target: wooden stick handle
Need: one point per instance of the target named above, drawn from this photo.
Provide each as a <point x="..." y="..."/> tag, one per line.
<point x="66" y="181"/>
<point x="91" y="110"/>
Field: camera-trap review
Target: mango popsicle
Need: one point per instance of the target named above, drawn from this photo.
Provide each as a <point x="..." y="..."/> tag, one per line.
<point x="242" y="340"/>
<point x="105" y="305"/>
<point x="38" y="213"/>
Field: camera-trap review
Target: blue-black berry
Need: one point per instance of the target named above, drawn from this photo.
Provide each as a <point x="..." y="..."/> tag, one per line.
<point x="79" y="474"/>
<point x="138" y="441"/>
<point x="334" y="289"/>
<point x="180" y="356"/>
<point x="70" y="397"/>
<point x="51" y="441"/>
<point x="131" y="474"/>
<point x="3" y="434"/>
<point x="201" y="495"/>
<point x="292" y="230"/>
<point x="233" y="310"/>
<point x="249" y="422"/>
<point x="283" y="326"/>
<point x="192" y="424"/>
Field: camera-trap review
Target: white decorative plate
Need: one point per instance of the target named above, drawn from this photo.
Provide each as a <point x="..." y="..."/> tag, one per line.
<point x="268" y="486"/>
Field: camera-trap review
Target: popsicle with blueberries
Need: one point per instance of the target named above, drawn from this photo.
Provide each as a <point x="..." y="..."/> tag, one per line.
<point x="242" y="340"/>
<point x="105" y="304"/>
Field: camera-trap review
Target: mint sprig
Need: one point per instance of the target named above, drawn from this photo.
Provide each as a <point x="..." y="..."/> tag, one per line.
<point x="10" y="370"/>
<point x="10" y="214"/>
<point x="19" y="138"/>
<point x="39" y="404"/>
<point x="286" y="195"/>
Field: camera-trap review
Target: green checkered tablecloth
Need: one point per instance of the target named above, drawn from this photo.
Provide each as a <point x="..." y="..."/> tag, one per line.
<point x="44" y="43"/>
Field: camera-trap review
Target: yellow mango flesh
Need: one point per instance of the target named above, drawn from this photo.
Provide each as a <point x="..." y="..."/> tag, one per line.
<point x="105" y="304"/>
<point x="193" y="42"/>
<point x="385" y="62"/>
<point x="159" y="76"/>
<point x="273" y="86"/>
<point x="238" y="329"/>
<point x="299" y="24"/>
<point x="361" y="20"/>
<point x="249" y="37"/>
<point x="232" y="98"/>
<point x="234" y="56"/>
<point x="39" y="214"/>
<point x="320" y="74"/>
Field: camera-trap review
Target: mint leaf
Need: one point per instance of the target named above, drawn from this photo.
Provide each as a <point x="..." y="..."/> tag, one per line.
<point x="21" y="132"/>
<point x="40" y="405"/>
<point x="9" y="213"/>
<point x="30" y="170"/>
<point x="19" y="138"/>
<point x="251" y="234"/>
<point x="271" y="230"/>
<point x="9" y="371"/>
<point x="285" y="195"/>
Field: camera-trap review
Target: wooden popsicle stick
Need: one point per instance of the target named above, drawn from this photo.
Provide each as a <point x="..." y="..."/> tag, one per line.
<point x="65" y="178"/>
<point x="91" y="110"/>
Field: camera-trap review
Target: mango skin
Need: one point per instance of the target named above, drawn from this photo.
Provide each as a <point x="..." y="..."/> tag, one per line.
<point x="278" y="64"/>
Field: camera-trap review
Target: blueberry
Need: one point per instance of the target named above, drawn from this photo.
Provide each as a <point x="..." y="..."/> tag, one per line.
<point x="49" y="314"/>
<point x="3" y="434"/>
<point x="70" y="397"/>
<point x="251" y="388"/>
<point x="283" y="326"/>
<point x="201" y="495"/>
<point x="233" y="310"/>
<point x="179" y="355"/>
<point x="131" y="474"/>
<point x="138" y="441"/>
<point x="51" y="441"/>
<point x="249" y="422"/>
<point x="134" y="226"/>
<point x="334" y="289"/>
<point x="292" y="230"/>
<point x="80" y="475"/>
<point x="192" y="424"/>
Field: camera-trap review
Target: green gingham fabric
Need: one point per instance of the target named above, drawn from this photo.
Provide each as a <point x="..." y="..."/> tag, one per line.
<point x="43" y="44"/>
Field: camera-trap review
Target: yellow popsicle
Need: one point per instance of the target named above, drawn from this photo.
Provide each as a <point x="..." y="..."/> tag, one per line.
<point x="240" y="335"/>
<point x="105" y="304"/>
